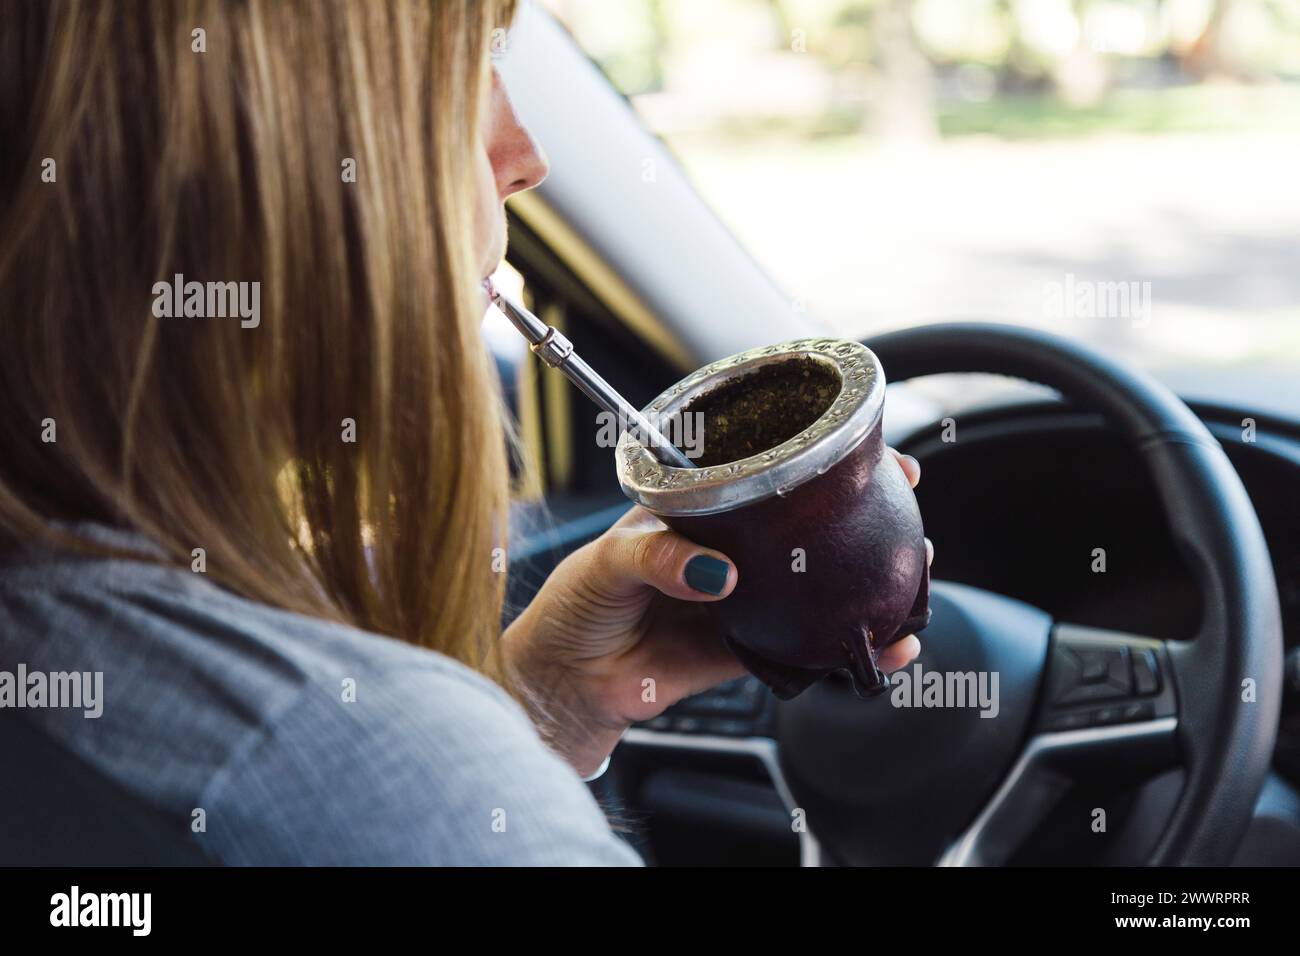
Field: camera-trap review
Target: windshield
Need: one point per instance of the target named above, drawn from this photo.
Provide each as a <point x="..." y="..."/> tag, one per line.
<point x="1121" y="172"/>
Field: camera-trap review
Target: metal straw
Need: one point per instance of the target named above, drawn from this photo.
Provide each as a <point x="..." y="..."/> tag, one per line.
<point x="555" y="350"/>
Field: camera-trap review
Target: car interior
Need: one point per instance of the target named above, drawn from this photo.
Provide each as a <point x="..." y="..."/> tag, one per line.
<point x="1121" y="687"/>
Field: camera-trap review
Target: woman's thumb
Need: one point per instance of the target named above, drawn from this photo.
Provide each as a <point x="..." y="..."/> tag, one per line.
<point x="672" y="564"/>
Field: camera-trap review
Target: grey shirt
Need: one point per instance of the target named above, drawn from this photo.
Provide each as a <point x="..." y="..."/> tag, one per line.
<point x="214" y="703"/>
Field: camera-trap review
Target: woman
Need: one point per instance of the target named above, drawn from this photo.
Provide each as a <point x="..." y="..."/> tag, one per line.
<point x="253" y="467"/>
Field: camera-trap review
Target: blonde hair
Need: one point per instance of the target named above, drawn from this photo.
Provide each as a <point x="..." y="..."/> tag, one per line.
<point x="228" y="165"/>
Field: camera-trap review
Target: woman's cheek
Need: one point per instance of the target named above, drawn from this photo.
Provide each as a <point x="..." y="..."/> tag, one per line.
<point x="487" y="216"/>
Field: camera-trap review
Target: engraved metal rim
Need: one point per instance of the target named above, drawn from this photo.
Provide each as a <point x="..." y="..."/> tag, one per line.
<point x="855" y="411"/>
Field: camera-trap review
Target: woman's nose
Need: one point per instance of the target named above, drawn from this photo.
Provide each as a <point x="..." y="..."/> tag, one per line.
<point x="517" y="161"/>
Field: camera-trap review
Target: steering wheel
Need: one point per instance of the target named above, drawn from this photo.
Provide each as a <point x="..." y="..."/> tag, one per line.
<point x="884" y="784"/>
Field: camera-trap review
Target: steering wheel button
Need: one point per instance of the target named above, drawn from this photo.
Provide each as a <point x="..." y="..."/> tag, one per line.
<point x="1070" y="720"/>
<point x="1065" y="675"/>
<point x="1139" y="710"/>
<point x="1095" y="666"/>
<point x="1107" y="715"/>
<point x="1118" y="672"/>
<point x="1085" y="693"/>
<point x="1146" y="672"/>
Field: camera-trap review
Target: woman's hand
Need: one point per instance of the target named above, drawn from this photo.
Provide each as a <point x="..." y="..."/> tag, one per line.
<point x="620" y="613"/>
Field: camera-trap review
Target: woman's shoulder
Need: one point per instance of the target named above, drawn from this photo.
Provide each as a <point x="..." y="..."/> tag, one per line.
<point x="301" y="740"/>
<point x="415" y="768"/>
<point x="134" y="615"/>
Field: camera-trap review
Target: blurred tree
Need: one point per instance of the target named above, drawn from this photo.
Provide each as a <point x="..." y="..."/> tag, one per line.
<point x="1212" y="55"/>
<point x="660" y="38"/>
<point x="872" y="50"/>
<point x="782" y="17"/>
<point x="903" y="106"/>
<point x="1083" y="74"/>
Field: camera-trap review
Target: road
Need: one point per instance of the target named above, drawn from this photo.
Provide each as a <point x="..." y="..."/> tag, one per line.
<point x="1207" y="225"/>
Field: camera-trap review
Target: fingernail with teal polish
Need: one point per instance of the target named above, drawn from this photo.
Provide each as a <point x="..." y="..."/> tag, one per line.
<point x="706" y="573"/>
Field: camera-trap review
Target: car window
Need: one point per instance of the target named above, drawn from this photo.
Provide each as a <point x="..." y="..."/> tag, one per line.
<point x="1121" y="172"/>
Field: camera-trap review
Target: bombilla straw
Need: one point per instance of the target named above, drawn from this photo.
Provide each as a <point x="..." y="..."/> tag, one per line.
<point x="555" y="350"/>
